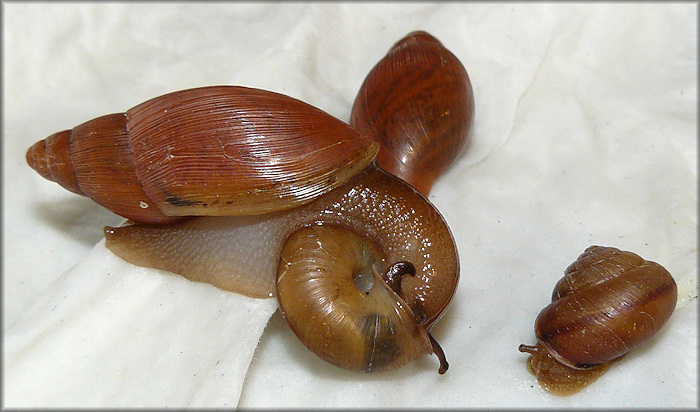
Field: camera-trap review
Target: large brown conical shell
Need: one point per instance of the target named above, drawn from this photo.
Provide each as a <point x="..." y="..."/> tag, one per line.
<point x="220" y="150"/>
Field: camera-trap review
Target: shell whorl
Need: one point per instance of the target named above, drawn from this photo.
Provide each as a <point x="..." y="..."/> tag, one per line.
<point x="50" y="158"/>
<point x="94" y="159"/>
<point x="363" y="330"/>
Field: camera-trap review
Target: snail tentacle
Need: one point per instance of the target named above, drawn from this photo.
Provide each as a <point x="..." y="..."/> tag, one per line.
<point x="528" y="348"/>
<point x="437" y="350"/>
<point x="396" y="272"/>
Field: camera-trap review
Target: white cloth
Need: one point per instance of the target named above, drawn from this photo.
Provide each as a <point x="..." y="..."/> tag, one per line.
<point x="585" y="133"/>
<point x="143" y="338"/>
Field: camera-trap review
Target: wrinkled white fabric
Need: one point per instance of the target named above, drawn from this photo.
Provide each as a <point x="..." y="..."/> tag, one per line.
<point x="585" y="133"/>
<point x="143" y="338"/>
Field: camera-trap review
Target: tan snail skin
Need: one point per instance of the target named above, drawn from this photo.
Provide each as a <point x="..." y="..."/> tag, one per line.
<point x="258" y="193"/>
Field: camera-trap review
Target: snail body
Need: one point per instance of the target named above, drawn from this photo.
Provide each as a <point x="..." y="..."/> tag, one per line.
<point x="608" y="302"/>
<point x="245" y="254"/>
<point x="258" y="193"/>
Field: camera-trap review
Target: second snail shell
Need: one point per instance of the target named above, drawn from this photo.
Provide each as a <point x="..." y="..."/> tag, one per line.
<point x="317" y="288"/>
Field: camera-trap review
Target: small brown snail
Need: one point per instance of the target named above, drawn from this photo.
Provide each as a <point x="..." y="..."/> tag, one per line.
<point x="258" y="193"/>
<point x="607" y="303"/>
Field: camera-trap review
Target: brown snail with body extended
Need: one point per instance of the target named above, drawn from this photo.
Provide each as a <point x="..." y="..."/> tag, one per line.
<point x="607" y="303"/>
<point x="222" y="180"/>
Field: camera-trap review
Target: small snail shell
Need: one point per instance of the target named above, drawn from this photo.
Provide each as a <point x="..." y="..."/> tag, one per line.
<point x="419" y="104"/>
<point x="359" y="328"/>
<point x="201" y="152"/>
<point x="607" y="303"/>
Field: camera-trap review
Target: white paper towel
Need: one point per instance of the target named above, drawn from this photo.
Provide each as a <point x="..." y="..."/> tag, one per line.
<point x="585" y="133"/>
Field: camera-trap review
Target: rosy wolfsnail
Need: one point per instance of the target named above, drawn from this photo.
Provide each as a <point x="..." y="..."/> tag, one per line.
<point x="259" y="193"/>
<point x="220" y="150"/>
<point x="607" y="303"/>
